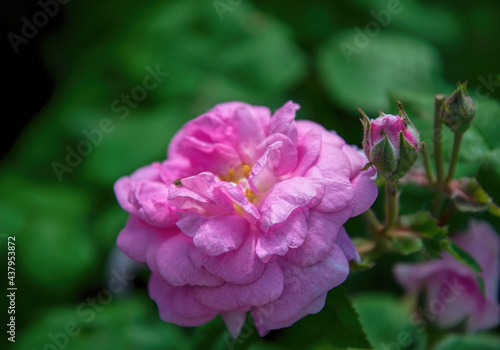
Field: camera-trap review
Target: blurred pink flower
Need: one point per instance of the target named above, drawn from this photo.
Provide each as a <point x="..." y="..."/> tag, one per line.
<point x="246" y="214"/>
<point x="452" y="291"/>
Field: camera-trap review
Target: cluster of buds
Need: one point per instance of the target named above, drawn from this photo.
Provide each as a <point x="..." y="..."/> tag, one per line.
<point x="391" y="143"/>
<point x="458" y="109"/>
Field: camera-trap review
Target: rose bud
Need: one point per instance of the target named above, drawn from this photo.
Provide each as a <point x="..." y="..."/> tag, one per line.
<point x="458" y="109"/>
<point x="391" y="143"/>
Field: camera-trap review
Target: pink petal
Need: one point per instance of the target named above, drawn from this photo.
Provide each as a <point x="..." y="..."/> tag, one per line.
<point x="239" y="266"/>
<point x="308" y="148"/>
<point x="250" y="131"/>
<point x="322" y="233"/>
<point x="153" y="205"/>
<point x="365" y="189"/>
<point x="229" y="297"/>
<point x="347" y="246"/>
<point x="238" y="197"/>
<point x="339" y="194"/>
<point x="283" y="121"/>
<point x="217" y="158"/>
<point x="304" y="284"/>
<point x="177" y="304"/>
<point x="365" y="192"/>
<point x="234" y="321"/>
<point x="264" y="325"/>
<point x="286" y="196"/>
<point x="262" y="177"/>
<point x="333" y="162"/>
<point x="287" y="159"/>
<point x="220" y="234"/>
<point x="177" y="269"/>
<point x="483" y="243"/>
<point x="136" y="236"/>
<point x="289" y="234"/>
<point x="124" y="188"/>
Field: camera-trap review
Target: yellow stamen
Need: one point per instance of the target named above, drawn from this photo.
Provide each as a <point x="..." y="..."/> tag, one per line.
<point x="247" y="169"/>
<point x="250" y="195"/>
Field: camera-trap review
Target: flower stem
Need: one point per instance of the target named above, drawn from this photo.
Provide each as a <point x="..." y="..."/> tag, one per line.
<point x="438" y="155"/>
<point x="392" y="203"/>
<point x="427" y="164"/>
<point x="438" y="138"/>
<point x="370" y="219"/>
<point x="457" y="142"/>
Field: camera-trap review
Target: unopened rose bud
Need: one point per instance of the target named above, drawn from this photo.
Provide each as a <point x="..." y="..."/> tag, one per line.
<point x="458" y="109"/>
<point x="391" y="143"/>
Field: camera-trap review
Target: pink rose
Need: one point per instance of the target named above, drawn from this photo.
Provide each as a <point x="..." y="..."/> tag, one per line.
<point x="391" y="143"/>
<point x="246" y="214"/>
<point x="452" y="291"/>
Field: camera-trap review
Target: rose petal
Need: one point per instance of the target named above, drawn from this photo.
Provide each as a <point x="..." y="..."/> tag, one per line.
<point x="177" y="269"/>
<point x="264" y="325"/>
<point x="283" y="121"/>
<point x="239" y="266"/>
<point x="321" y="235"/>
<point x="308" y="148"/>
<point x="289" y="234"/>
<point x="347" y="246"/>
<point x="228" y="297"/>
<point x="234" y="321"/>
<point x="220" y="234"/>
<point x="136" y="236"/>
<point x="177" y="304"/>
<point x="304" y="284"/>
<point x="286" y="196"/>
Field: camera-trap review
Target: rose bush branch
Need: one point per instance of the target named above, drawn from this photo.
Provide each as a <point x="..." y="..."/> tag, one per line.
<point x="457" y="112"/>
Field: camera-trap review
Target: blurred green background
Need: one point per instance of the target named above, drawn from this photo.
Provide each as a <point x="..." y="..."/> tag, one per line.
<point x="327" y="56"/>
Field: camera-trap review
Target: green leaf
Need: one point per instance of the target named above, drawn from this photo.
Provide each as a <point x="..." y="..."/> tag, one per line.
<point x="412" y="16"/>
<point x="469" y="342"/>
<point x="363" y="74"/>
<point x="407" y="244"/>
<point x="337" y="323"/>
<point x="425" y="226"/>
<point x="489" y="174"/>
<point x="388" y="323"/>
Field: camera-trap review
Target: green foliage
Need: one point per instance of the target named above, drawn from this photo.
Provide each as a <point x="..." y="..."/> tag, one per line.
<point x="387" y="321"/>
<point x="338" y="324"/>
<point x="471" y="342"/>
<point x="364" y="74"/>
<point x="122" y="324"/>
